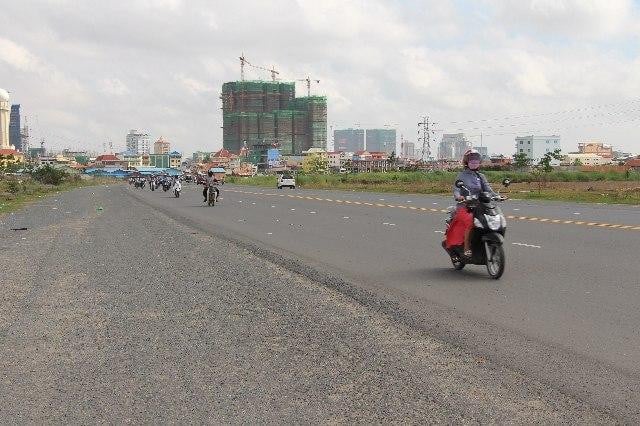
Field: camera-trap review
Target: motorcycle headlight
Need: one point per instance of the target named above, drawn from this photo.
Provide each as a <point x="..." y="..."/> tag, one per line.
<point x="477" y="223"/>
<point x="494" y="222"/>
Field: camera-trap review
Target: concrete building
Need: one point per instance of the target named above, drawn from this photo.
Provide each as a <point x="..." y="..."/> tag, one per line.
<point x="351" y="140"/>
<point x="380" y="140"/>
<point x="161" y="146"/>
<point x="161" y="161"/>
<point x="597" y="148"/>
<point x="175" y="160"/>
<point x="586" y="159"/>
<point x="484" y="152"/>
<point x="339" y="159"/>
<point x="137" y="142"/>
<point x="15" y="132"/>
<point x="407" y="150"/>
<point x="263" y="113"/>
<point x="453" y="146"/>
<point x="535" y="147"/>
<point x="4" y="120"/>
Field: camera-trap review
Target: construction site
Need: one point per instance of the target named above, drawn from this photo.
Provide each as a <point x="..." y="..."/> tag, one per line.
<point x="259" y="115"/>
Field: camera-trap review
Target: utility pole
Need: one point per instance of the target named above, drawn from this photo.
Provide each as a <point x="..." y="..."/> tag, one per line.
<point x="425" y="126"/>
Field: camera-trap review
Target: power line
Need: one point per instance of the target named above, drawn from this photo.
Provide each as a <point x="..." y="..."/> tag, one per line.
<point x="513" y="117"/>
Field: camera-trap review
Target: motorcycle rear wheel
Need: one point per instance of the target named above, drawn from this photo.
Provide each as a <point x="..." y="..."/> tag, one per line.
<point x="458" y="264"/>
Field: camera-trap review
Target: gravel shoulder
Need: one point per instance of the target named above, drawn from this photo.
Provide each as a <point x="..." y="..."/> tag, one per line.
<point x="113" y="312"/>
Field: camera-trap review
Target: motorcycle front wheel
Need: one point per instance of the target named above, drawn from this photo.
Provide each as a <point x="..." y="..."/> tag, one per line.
<point x="495" y="260"/>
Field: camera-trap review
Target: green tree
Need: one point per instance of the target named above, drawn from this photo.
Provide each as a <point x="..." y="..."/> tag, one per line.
<point x="545" y="161"/>
<point x="315" y="163"/>
<point x="577" y="162"/>
<point x="392" y="158"/>
<point x="544" y="167"/>
<point x="521" y="161"/>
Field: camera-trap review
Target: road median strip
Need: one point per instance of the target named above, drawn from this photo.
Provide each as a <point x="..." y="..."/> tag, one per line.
<point x="432" y="210"/>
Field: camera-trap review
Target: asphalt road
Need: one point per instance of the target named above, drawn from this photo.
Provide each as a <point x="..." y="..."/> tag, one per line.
<point x="122" y="305"/>
<point x="566" y="310"/>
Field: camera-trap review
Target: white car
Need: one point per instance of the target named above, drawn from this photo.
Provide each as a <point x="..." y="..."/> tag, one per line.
<point x="286" y="180"/>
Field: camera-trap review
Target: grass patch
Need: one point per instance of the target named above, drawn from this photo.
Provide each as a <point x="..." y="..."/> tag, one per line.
<point x="16" y="191"/>
<point x="586" y="187"/>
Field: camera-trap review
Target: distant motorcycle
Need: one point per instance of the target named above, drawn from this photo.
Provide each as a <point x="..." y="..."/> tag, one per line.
<point x="176" y="191"/>
<point x="487" y="235"/>
<point x="166" y="186"/>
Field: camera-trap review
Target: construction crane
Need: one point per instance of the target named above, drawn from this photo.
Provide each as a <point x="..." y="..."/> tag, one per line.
<point x="243" y="62"/>
<point x="308" y="81"/>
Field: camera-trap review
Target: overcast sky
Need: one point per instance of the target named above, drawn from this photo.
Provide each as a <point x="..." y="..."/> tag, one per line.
<point x="87" y="71"/>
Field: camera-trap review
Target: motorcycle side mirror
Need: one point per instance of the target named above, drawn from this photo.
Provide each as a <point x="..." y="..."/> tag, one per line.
<point x="459" y="184"/>
<point x="506" y="182"/>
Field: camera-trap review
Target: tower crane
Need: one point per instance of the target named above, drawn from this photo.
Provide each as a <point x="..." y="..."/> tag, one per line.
<point x="243" y="62"/>
<point x="308" y="81"/>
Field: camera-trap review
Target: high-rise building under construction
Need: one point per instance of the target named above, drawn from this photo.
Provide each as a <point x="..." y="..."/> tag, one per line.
<point x="264" y="114"/>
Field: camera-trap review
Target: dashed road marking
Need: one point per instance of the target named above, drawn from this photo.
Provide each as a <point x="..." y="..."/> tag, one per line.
<point x="434" y="210"/>
<point x="526" y="245"/>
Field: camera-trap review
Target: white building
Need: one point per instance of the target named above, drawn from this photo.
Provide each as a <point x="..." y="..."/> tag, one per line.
<point x="535" y="147"/>
<point x="5" y="109"/>
<point x="138" y="142"/>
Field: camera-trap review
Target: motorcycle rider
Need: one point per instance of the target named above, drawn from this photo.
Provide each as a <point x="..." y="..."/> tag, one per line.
<point x="459" y="232"/>
<point x="210" y="181"/>
<point x="177" y="186"/>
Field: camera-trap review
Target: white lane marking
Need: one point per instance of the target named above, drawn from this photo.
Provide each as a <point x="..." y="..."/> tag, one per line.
<point x="526" y="245"/>
<point x="239" y="201"/>
<point x="409" y="201"/>
<point x="312" y="212"/>
<point x="345" y="217"/>
<point x="293" y="210"/>
<point x="269" y="233"/>
<point x="241" y="220"/>
<point x="516" y="210"/>
<point x="576" y="213"/>
<point x="435" y="204"/>
<point x="439" y="232"/>
<point x="253" y="204"/>
<point x="388" y="224"/>
<point x="380" y="199"/>
<point x="273" y="207"/>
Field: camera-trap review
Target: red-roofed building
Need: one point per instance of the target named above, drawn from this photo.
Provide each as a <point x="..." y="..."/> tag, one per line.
<point x="223" y="158"/>
<point x="109" y="160"/>
<point x="9" y="156"/>
<point x="634" y="163"/>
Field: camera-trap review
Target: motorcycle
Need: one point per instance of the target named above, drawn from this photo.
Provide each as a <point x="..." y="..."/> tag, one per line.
<point x="487" y="235"/>
<point x="176" y="191"/>
<point x="211" y="196"/>
<point x="166" y="186"/>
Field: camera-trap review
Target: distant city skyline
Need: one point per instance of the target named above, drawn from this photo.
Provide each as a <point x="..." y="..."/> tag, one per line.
<point x="492" y="70"/>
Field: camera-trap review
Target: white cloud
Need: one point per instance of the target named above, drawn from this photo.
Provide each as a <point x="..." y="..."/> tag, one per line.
<point x="161" y="64"/>
<point x="18" y="57"/>
<point x="113" y="87"/>
<point x="593" y="19"/>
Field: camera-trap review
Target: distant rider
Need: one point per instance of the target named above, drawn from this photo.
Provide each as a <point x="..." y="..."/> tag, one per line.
<point x="210" y="182"/>
<point x="462" y="224"/>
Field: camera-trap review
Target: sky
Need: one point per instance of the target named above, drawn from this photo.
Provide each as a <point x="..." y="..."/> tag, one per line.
<point x="86" y="72"/>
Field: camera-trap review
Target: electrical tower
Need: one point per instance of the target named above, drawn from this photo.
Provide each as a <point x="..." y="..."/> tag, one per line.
<point x="425" y="127"/>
